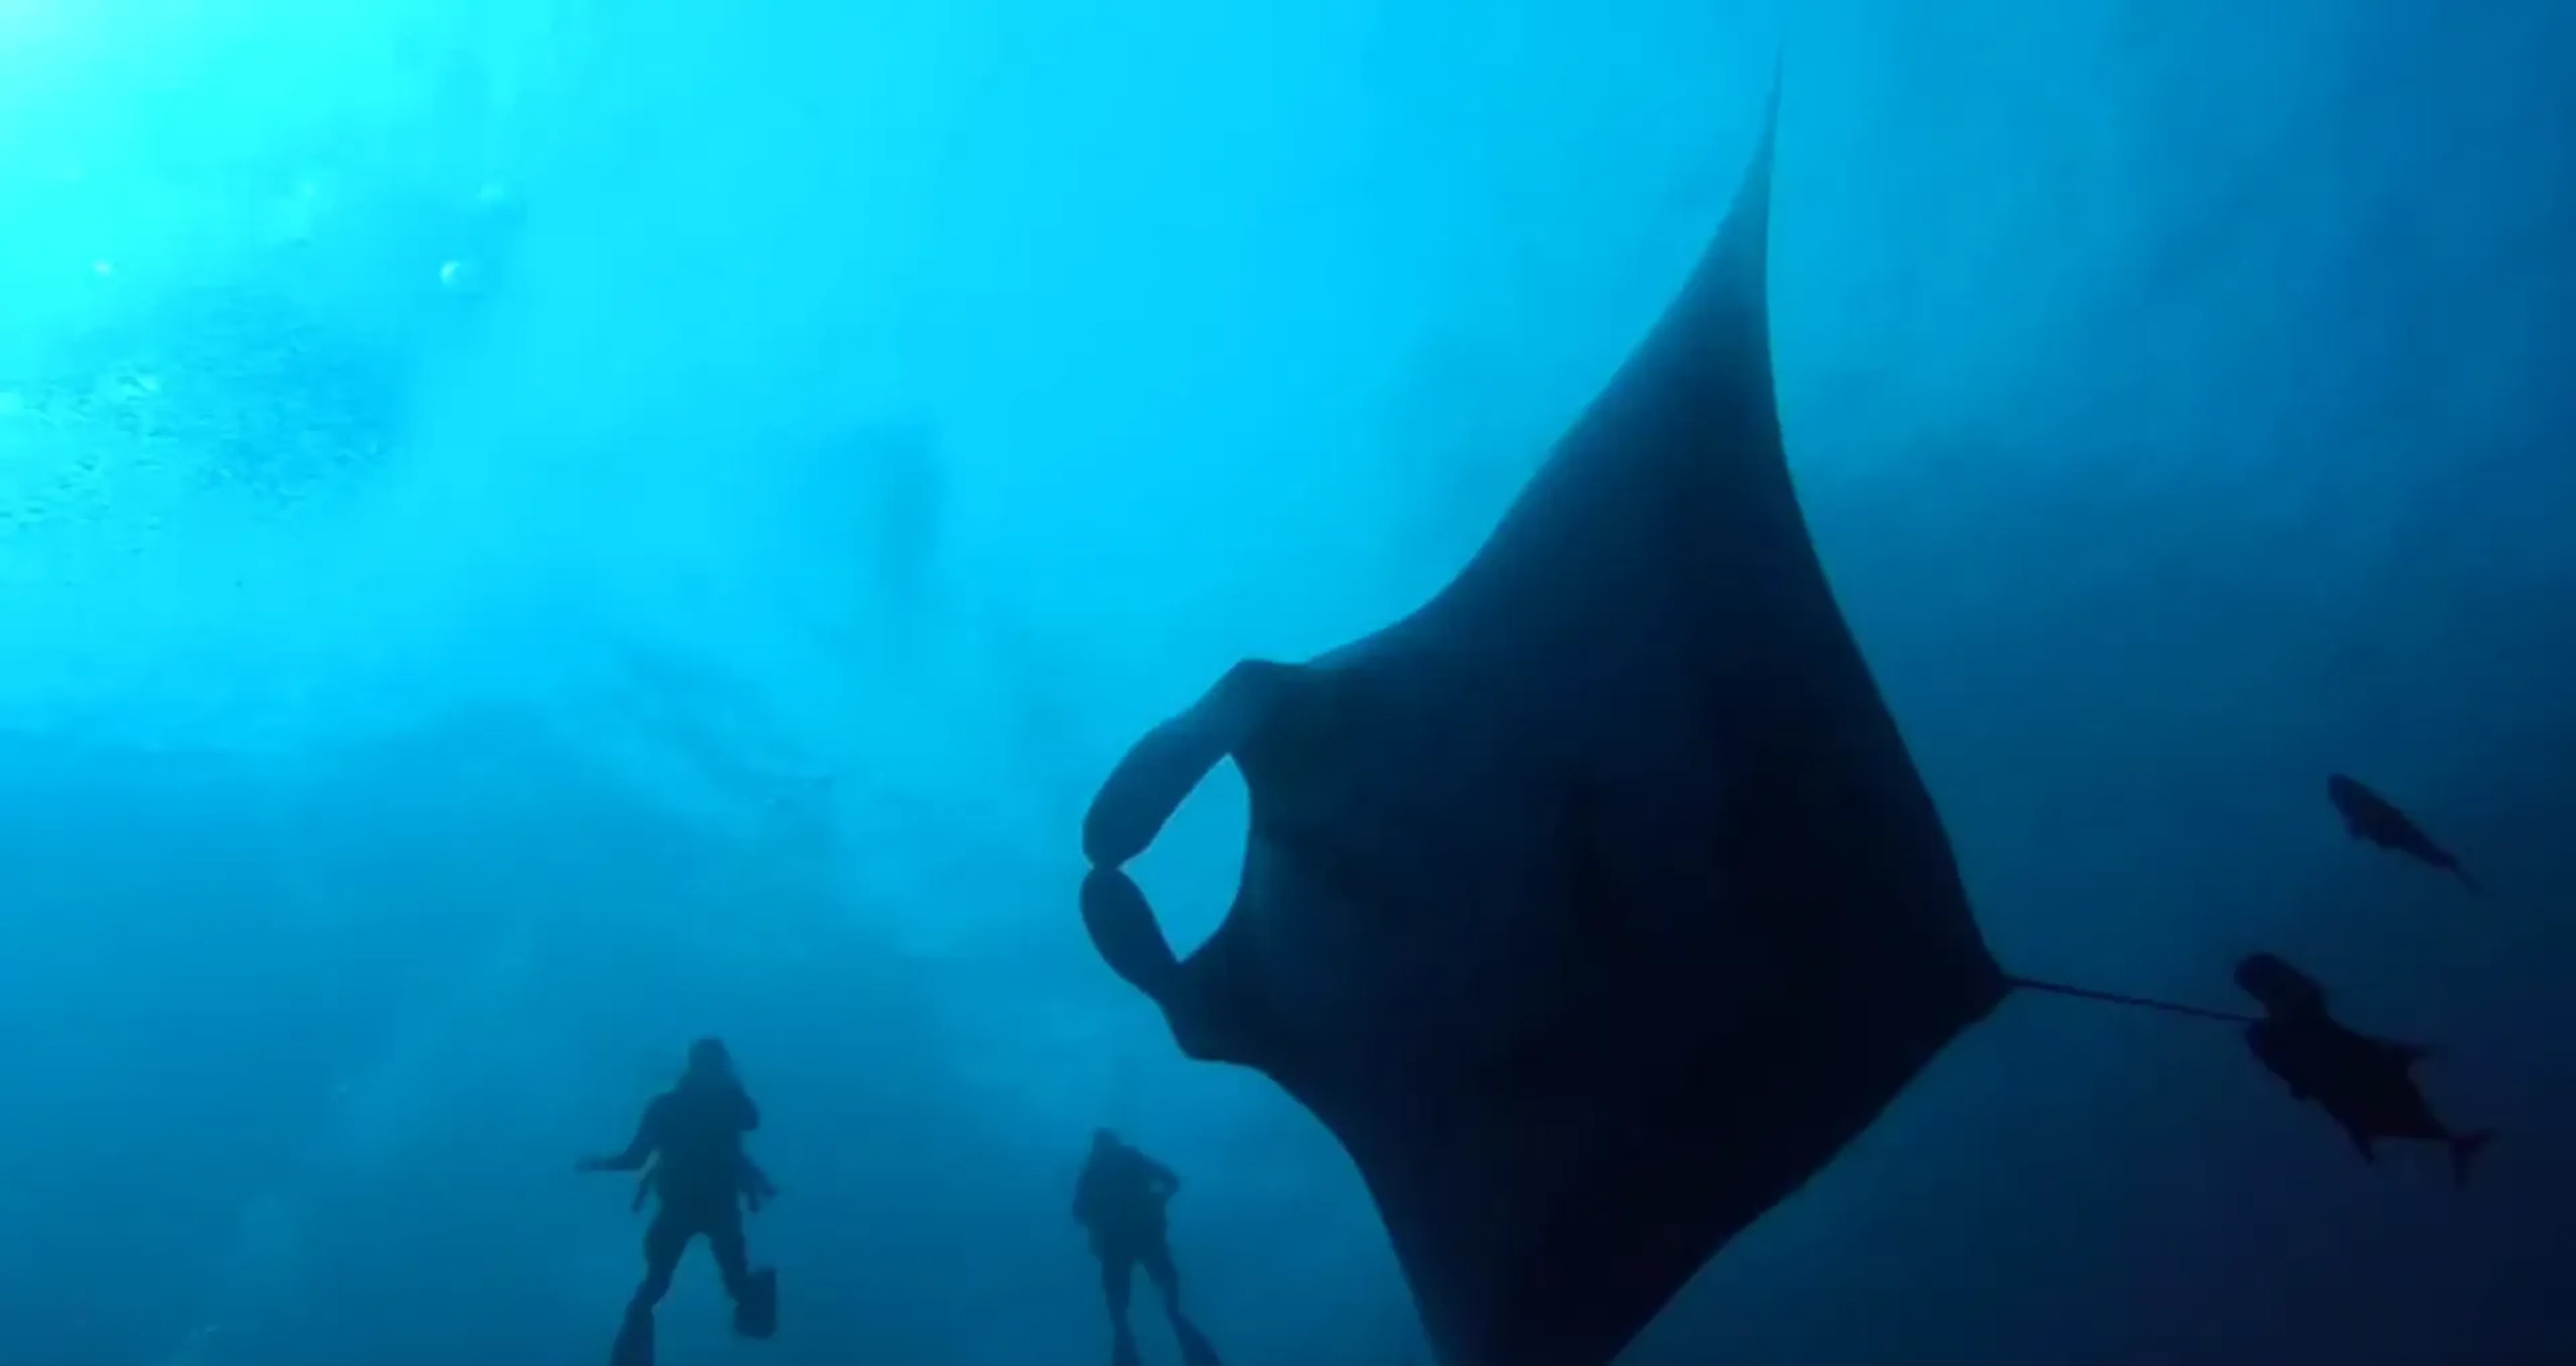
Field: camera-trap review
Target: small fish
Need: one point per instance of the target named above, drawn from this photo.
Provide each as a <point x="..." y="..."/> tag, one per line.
<point x="2371" y="817"/>
<point x="2367" y="1085"/>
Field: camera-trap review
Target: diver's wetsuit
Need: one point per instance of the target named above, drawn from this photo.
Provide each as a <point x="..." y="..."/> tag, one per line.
<point x="1120" y="1198"/>
<point x="693" y="1136"/>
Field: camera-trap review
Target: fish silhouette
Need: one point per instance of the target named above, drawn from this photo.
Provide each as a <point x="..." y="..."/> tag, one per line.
<point x="2373" y="818"/>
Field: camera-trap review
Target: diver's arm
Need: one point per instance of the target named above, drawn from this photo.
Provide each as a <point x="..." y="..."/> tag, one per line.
<point x="643" y="1188"/>
<point x="1160" y="1175"/>
<point x="648" y="1136"/>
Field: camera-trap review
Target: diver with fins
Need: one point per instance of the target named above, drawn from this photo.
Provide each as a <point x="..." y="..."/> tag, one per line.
<point x="1120" y="1199"/>
<point x="689" y="1147"/>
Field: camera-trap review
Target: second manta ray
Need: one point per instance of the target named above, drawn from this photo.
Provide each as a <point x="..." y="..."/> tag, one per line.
<point x="1597" y="905"/>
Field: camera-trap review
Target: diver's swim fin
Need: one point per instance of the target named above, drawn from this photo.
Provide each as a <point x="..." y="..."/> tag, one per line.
<point x="755" y="1315"/>
<point x="634" y="1345"/>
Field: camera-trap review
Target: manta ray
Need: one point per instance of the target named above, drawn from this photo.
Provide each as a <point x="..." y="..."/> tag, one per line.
<point x="1596" y="905"/>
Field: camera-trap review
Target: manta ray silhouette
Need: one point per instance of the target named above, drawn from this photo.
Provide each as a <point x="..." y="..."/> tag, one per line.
<point x="1595" y="906"/>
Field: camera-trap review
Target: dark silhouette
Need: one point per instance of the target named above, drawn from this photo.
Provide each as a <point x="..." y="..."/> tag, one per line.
<point x="692" y="1135"/>
<point x="1595" y="905"/>
<point x="2366" y="1084"/>
<point x="2371" y="817"/>
<point x="1120" y="1198"/>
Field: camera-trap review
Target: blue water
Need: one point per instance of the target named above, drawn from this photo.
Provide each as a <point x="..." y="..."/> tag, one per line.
<point x="532" y="532"/>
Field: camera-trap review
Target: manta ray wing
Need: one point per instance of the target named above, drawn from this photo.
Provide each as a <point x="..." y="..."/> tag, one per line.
<point x="1598" y="904"/>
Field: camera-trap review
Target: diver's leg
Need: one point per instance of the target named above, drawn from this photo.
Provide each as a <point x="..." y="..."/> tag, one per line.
<point x="754" y="1293"/>
<point x="733" y="1258"/>
<point x="1117" y="1274"/>
<point x="1157" y="1261"/>
<point x="1195" y="1348"/>
<point x="664" y="1240"/>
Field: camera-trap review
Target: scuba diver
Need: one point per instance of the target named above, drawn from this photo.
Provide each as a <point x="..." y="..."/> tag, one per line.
<point x="1120" y="1198"/>
<point x="2366" y="1084"/>
<point x="692" y="1137"/>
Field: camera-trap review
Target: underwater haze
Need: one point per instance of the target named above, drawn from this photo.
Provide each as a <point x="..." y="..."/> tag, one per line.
<point x="534" y="532"/>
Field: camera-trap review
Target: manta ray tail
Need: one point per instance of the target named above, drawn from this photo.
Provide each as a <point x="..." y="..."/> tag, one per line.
<point x="2121" y="999"/>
